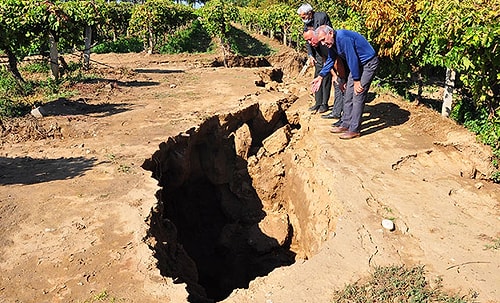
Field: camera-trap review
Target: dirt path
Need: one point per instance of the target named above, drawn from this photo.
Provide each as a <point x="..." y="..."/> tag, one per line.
<point x="74" y="209"/>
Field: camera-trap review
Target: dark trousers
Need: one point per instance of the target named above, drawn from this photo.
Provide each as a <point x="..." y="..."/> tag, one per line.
<point x="354" y="104"/>
<point x="323" y="94"/>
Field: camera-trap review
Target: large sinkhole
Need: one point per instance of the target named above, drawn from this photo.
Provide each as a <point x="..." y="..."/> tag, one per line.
<point x="220" y="221"/>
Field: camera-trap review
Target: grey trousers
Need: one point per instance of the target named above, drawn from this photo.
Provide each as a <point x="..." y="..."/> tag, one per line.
<point x="338" y="101"/>
<point x="354" y="104"/>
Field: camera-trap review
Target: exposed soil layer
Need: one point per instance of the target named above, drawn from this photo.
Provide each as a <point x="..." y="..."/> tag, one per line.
<point x="206" y="227"/>
<point x="245" y="180"/>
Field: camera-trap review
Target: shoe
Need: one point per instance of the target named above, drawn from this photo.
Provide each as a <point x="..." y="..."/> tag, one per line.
<point x="339" y="130"/>
<point x="314" y="108"/>
<point x="338" y="123"/>
<point x="322" y="109"/>
<point x="330" y="116"/>
<point x="349" y="135"/>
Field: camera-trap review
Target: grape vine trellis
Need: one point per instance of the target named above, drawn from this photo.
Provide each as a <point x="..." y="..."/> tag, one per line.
<point x="216" y="16"/>
<point x="153" y="20"/>
<point x="411" y="37"/>
<point x="461" y="35"/>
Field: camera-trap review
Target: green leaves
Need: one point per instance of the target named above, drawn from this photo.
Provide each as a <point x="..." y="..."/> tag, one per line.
<point x="216" y="17"/>
<point x="20" y="22"/>
<point x="466" y="63"/>
<point x="279" y="20"/>
<point x="154" y="19"/>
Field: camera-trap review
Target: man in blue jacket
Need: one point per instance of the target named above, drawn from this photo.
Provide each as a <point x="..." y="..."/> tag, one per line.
<point x="312" y="20"/>
<point x="362" y="61"/>
<point x="338" y="74"/>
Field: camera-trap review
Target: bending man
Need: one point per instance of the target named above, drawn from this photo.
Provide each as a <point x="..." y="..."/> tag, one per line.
<point x="312" y="20"/>
<point x="362" y="61"/>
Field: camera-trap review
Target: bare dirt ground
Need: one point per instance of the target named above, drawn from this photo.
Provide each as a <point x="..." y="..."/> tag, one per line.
<point x="75" y="203"/>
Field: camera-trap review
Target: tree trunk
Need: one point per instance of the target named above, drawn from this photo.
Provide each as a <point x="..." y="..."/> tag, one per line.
<point x="420" y="87"/>
<point x="449" y="85"/>
<point x="54" y="56"/>
<point x="13" y="66"/>
<point x="86" y="52"/>
<point x="151" y="41"/>
<point x="224" y="52"/>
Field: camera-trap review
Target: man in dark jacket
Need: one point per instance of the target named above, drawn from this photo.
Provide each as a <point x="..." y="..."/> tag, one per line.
<point x="312" y="20"/>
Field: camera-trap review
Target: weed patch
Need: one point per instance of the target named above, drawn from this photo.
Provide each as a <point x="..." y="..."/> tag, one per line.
<point x="18" y="98"/>
<point x="495" y="245"/>
<point x="397" y="284"/>
<point x="103" y="296"/>
<point x="41" y="67"/>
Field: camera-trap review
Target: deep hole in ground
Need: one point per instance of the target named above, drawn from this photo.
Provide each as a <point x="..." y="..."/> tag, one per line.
<point x="212" y="228"/>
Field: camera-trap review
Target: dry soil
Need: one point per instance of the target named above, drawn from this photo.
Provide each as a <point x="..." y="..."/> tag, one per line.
<point x="76" y="205"/>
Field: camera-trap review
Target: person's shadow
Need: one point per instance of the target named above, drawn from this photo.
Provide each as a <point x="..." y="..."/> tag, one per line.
<point x="66" y="107"/>
<point x="27" y="170"/>
<point x="382" y="115"/>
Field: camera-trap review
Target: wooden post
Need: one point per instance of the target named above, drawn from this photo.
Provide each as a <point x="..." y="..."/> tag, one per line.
<point x="86" y="51"/>
<point x="54" y="56"/>
<point x="449" y="85"/>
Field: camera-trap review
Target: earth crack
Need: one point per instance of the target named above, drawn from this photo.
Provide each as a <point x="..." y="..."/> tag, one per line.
<point x="404" y="159"/>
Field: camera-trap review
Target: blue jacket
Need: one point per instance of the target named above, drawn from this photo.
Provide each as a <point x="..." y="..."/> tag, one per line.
<point x="353" y="48"/>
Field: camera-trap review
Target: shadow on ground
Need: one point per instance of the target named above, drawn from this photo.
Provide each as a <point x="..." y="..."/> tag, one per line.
<point x="27" y="170"/>
<point x="382" y="115"/>
<point x="157" y="71"/>
<point x="113" y="82"/>
<point x="247" y="45"/>
<point x="64" y="107"/>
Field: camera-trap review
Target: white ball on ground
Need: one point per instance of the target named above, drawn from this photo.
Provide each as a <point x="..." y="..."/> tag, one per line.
<point x="388" y="224"/>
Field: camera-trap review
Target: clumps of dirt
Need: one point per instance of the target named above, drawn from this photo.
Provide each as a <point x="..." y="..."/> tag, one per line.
<point x="267" y="76"/>
<point x="290" y="63"/>
<point x="61" y="118"/>
<point x="210" y="229"/>
<point x="28" y="128"/>
<point x="240" y="61"/>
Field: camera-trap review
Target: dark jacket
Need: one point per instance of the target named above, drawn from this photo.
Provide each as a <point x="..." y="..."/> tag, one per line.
<point x="319" y="18"/>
